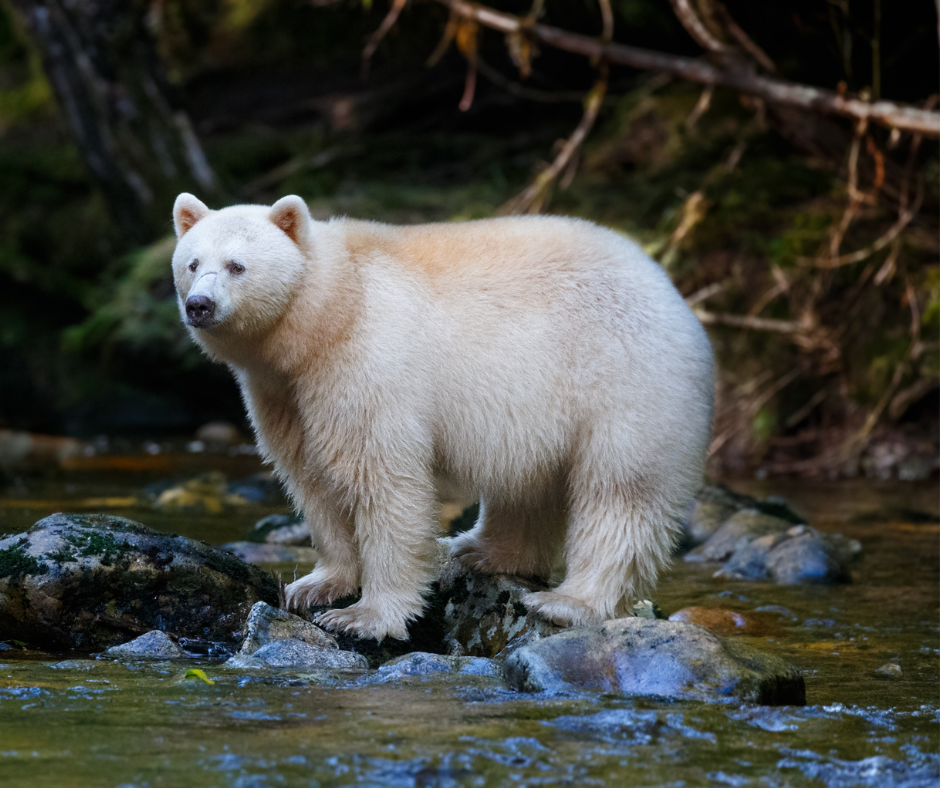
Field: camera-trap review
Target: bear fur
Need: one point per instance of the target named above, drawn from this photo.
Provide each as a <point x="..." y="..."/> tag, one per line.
<point x="544" y="364"/>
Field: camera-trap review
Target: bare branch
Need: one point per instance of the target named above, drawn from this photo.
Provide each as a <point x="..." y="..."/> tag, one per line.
<point x="886" y="113"/>
<point x="531" y="200"/>
<point x="694" y="27"/>
<point x="376" y="38"/>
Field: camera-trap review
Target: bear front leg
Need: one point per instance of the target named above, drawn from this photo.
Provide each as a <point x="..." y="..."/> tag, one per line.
<point x="337" y="571"/>
<point x="396" y="529"/>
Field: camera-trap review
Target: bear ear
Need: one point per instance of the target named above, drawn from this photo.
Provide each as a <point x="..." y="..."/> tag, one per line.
<point x="187" y="210"/>
<point x="290" y="214"/>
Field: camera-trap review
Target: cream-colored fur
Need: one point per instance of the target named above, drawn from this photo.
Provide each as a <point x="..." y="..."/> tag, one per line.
<point x="544" y="364"/>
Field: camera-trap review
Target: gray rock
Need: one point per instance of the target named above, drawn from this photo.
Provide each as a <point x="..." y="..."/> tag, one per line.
<point x="661" y="658"/>
<point x="267" y="624"/>
<point x="254" y="553"/>
<point x="423" y="664"/>
<point x="706" y="518"/>
<point x="83" y="581"/>
<point x="296" y="654"/>
<point x="740" y="529"/>
<point x="286" y="529"/>
<point x="153" y="645"/>
<point x="807" y="557"/>
<point x="750" y="561"/>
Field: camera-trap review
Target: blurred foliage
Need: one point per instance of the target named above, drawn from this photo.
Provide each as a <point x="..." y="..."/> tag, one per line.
<point x="732" y="202"/>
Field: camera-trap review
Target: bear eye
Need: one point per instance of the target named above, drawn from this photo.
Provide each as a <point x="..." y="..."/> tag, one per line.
<point x="236" y="268"/>
<point x="193" y="265"/>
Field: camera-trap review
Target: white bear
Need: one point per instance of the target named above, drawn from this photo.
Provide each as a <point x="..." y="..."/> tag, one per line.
<point x="544" y="364"/>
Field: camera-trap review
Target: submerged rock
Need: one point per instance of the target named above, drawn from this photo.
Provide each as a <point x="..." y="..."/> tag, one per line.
<point x="86" y="581"/>
<point x="726" y="622"/>
<point x="661" y="658"/>
<point x="152" y="645"/>
<point x="294" y="653"/>
<point x="420" y="663"/>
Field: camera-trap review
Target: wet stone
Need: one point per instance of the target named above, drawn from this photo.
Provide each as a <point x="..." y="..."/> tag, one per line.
<point x="267" y="624"/>
<point x="152" y="645"/>
<point x="807" y="558"/>
<point x="254" y="553"/>
<point x="740" y="529"/>
<point x="636" y="656"/>
<point x="91" y="581"/>
<point x="890" y="670"/>
<point x="297" y="654"/>
<point x="284" y="529"/>
<point x="425" y="664"/>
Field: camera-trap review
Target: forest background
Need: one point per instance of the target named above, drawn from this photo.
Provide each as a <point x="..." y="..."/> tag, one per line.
<point x="802" y="227"/>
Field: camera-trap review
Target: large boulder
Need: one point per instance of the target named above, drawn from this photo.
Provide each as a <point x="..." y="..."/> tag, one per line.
<point x="639" y="656"/>
<point x="93" y="581"/>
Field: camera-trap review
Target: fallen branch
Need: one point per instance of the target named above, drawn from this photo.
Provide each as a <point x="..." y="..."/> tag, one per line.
<point x="886" y="113"/>
<point x="746" y="321"/>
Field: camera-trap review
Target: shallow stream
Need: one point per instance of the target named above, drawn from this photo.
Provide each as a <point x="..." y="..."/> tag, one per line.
<point x="72" y="720"/>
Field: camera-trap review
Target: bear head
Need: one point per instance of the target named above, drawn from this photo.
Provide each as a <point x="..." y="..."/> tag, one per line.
<point x="238" y="269"/>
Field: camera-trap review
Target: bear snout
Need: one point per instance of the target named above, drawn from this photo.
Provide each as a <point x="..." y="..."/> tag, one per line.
<point x="200" y="311"/>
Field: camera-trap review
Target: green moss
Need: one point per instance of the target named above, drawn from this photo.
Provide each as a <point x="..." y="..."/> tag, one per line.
<point x="91" y="544"/>
<point x="16" y="563"/>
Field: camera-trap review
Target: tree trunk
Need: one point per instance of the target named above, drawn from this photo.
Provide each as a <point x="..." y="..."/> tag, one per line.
<point x="126" y="119"/>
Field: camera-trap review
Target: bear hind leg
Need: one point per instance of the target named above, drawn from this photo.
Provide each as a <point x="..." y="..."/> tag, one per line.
<point x="514" y="539"/>
<point x="617" y="541"/>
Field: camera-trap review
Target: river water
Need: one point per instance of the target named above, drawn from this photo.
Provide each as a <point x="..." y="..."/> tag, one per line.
<point x="73" y="720"/>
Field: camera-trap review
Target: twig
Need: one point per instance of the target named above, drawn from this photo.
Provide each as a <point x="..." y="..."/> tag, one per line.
<point x="893" y="232"/>
<point x="887" y="113"/>
<point x="296" y="164"/>
<point x="747" y="321"/>
<point x="522" y="91"/>
<point x="705" y="293"/>
<point x="695" y="28"/>
<point x="532" y="199"/>
<point x="376" y="38"/>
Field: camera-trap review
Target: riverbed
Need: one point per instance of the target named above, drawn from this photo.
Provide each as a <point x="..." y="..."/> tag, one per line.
<point x="73" y="720"/>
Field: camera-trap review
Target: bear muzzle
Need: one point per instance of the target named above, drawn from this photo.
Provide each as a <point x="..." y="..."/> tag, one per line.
<point x="200" y="311"/>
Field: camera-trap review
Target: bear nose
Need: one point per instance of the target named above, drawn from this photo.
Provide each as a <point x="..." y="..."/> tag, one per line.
<point x="200" y="310"/>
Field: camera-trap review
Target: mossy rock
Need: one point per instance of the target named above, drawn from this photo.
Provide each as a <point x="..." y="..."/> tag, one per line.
<point x="91" y="581"/>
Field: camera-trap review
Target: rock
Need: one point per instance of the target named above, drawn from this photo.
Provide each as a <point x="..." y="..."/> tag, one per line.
<point x="716" y="503"/>
<point x="82" y="581"/>
<point x="286" y="529"/>
<point x="661" y="658"/>
<point x="293" y="653"/>
<point x="726" y="622"/>
<point x="706" y="518"/>
<point x="255" y="553"/>
<point x="153" y="645"/>
<point x="267" y="624"/>
<point x="741" y="528"/>
<point x="219" y="433"/>
<point x="890" y="670"/>
<point x="424" y="664"/>
<point x="807" y="557"/>
<point x="483" y="613"/>
<point x="749" y="562"/>
<point x="207" y="493"/>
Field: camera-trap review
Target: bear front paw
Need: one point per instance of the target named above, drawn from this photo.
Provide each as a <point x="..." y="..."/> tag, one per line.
<point x="364" y="622"/>
<point x="320" y="587"/>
